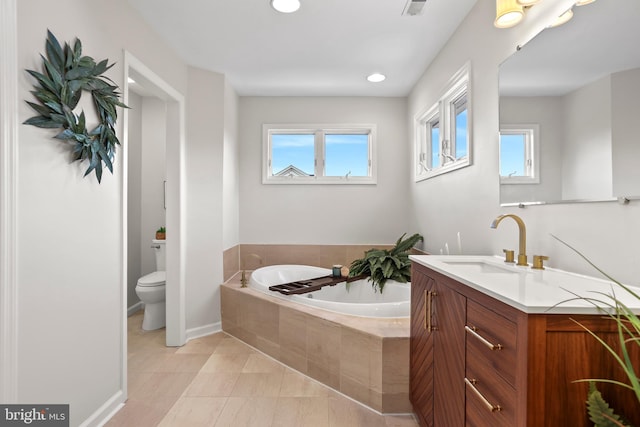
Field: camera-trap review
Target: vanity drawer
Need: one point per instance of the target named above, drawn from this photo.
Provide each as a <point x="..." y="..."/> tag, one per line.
<point x="486" y="391"/>
<point x="486" y="328"/>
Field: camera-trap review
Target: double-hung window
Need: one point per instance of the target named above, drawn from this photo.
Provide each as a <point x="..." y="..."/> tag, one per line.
<point x="443" y="135"/>
<point x="318" y="154"/>
<point x="518" y="154"/>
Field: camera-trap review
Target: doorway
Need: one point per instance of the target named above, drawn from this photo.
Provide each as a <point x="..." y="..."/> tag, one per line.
<point x="149" y="83"/>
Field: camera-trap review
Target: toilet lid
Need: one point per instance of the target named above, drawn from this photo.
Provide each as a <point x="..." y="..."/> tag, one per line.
<point x="157" y="278"/>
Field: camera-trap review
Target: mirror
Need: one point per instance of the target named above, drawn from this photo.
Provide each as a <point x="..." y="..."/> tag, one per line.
<point x="578" y="86"/>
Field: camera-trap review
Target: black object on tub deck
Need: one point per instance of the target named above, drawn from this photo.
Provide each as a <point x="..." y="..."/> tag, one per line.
<point x="310" y="285"/>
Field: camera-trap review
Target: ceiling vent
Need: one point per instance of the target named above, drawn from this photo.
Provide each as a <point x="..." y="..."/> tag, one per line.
<point x="414" y="7"/>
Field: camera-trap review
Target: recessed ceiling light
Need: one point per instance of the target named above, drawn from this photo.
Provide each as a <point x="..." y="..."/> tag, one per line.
<point x="376" y="78"/>
<point x="285" y="6"/>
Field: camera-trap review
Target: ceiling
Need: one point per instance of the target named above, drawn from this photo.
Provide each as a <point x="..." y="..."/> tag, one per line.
<point x="327" y="48"/>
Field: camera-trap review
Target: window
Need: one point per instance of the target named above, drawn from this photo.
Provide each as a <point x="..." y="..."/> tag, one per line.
<point x="443" y="141"/>
<point x="518" y="154"/>
<point x="311" y="154"/>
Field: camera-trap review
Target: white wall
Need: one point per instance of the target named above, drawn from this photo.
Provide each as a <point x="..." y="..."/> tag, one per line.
<point x="134" y="195"/>
<point x="204" y="165"/>
<point x="586" y="146"/>
<point x="69" y="235"/>
<point x="231" y="171"/>
<point x="467" y="200"/>
<point x="324" y="214"/>
<point x="153" y="173"/>
<point x="625" y="106"/>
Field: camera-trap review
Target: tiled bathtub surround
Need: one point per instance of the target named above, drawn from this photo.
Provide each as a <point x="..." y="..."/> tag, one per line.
<point x="364" y="358"/>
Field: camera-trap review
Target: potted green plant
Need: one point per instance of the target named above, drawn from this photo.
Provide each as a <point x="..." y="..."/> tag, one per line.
<point x="161" y="233"/>
<point x="382" y="264"/>
<point x="628" y="332"/>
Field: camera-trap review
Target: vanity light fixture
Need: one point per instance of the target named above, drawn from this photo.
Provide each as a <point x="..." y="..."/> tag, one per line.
<point x="508" y="13"/>
<point x="376" y="78"/>
<point x="285" y="6"/>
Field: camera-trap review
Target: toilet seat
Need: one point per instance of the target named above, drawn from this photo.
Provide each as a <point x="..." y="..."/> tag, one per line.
<point x="157" y="278"/>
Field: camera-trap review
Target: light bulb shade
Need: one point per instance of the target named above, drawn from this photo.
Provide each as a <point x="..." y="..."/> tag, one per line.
<point x="527" y="2"/>
<point x="508" y="13"/>
<point x="285" y="6"/>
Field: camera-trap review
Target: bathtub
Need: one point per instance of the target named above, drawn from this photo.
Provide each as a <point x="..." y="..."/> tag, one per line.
<point x="360" y="300"/>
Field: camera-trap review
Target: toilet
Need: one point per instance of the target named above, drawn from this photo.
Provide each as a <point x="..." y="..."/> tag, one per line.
<point x="151" y="291"/>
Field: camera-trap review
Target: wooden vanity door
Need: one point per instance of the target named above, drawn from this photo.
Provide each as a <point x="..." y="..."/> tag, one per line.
<point x="437" y="352"/>
<point x="421" y="349"/>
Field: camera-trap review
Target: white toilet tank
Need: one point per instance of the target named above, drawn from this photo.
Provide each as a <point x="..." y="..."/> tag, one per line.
<point x="161" y="254"/>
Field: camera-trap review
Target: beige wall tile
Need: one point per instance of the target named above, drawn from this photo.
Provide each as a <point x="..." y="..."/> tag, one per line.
<point x="395" y="365"/>
<point x="230" y="262"/>
<point x="294" y="360"/>
<point x="293" y="331"/>
<point x="323" y="342"/>
<point x="360" y="357"/>
<point x="329" y="375"/>
<point x="361" y="392"/>
<point x="396" y="403"/>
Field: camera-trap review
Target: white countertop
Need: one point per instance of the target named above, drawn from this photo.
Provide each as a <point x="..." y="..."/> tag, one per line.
<point x="549" y="291"/>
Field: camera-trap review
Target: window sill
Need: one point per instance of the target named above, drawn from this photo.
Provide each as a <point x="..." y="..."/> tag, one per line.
<point x="338" y="180"/>
<point x="449" y="167"/>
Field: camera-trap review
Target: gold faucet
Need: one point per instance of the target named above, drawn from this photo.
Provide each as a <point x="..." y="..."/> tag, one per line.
<point x="522" y="236"/>
<point x="243" y="280"/>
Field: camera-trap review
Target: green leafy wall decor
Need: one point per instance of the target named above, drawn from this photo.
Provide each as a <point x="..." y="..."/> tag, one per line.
<point x="66" y="74"/>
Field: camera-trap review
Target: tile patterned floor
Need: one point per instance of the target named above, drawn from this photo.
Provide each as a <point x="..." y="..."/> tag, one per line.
<point x="219" y="381"/>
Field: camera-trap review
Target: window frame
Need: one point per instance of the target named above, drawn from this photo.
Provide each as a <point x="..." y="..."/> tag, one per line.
<point x="445" y="110"/>
<point x="319" y="132"/>
<point x="531" y="153"/>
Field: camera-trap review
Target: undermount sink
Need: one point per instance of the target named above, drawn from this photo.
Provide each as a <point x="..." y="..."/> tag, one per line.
<point x="482" y="266"/>
<point x="530" y="290"/>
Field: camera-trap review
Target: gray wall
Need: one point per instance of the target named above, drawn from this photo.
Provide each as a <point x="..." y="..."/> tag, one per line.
<point x="325" y="214"/>
<point x="467" y="200"/>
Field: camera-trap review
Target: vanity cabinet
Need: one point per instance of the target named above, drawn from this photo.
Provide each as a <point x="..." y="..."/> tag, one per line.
<point x="436" y="307"/>
<point x="476" y="361"/>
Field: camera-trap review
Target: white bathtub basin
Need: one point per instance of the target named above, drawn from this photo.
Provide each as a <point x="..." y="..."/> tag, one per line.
<point x="360" y="300"/>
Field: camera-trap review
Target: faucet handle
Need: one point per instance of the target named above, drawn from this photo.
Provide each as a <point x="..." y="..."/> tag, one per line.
<point x="538" y="262"/>
<point x="508" y="255"/>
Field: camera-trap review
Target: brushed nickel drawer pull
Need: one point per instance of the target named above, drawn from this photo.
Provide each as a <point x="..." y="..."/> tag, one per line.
<point x="472" y="384"/>
<point x="472" y="331"/>
<point x="429" y="300"/>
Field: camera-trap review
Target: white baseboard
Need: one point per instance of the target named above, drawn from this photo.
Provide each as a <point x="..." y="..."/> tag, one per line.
<point x="135" y="308"/>
<point x="205" y="330"/>
<point x="106" y="411"/>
